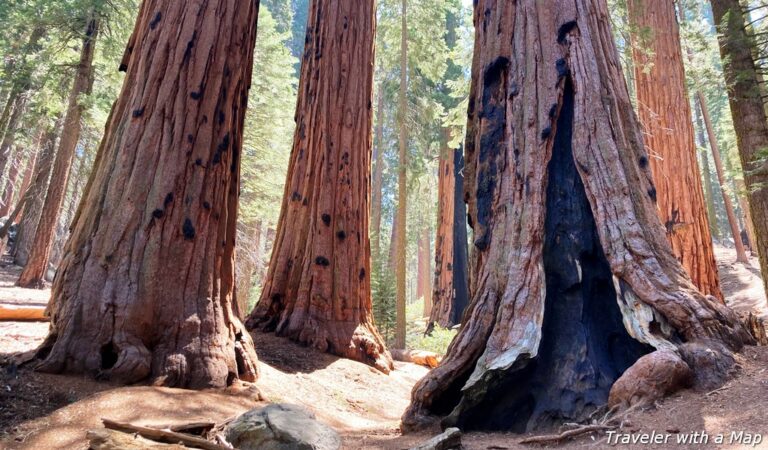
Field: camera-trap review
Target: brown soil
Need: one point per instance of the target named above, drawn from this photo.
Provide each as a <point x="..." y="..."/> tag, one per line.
<point x="40" y="411"/>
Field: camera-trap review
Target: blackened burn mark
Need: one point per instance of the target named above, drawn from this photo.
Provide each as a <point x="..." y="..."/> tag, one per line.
<point x="652" y="193"/>
<point x="196" y="95"/>
<point x="138" y="113"/>
<point x="643" y="161"/>
<point x="585" y="346"/>
<point x="295" y="196"/>
<point x="322" y="261"/>
<point x="326" y="219"/>
<point x="362" y="273"/>
<point x="168" y="199"/>
<point x="158" y="213"/>
<point x="188" y="229"/>
<point x="565" y="28"/>
<point x="341" y="234"/>
<point x="158" y="17"/>
<point x="562" y="68"/>
<point x="491" y="145"/>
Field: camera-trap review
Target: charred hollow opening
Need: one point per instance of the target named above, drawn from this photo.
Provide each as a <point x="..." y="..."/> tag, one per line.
<point x="585" y="346"/>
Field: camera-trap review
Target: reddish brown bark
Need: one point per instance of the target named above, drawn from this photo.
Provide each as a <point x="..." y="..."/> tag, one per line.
<point x="9" y="139"/>
<point x="665" y="112"/>
<point x="35" y="196"/>
<point x="424" y="275"/>
<point x="749" y="116"/>
<point x="318" y="288"/>
<point x="575" y="277"/>
<point x="34" y="271"/>
<point x="449" y="294"/>
<point x="150" y="261"/>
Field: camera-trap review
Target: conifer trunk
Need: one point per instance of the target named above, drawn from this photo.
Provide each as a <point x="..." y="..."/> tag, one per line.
<point x="664" y="111"/>
<point x="402" y="185"/>
<point x="10" y="182"/>
<point x="741" y="255"/>
<point x="150" y="260"/>
<point x="749" y="116"/>
<point x="318" y="288"/>
<point x="709" y="195"/>
<point x="575" y="277"/>
<point x="378" y="176"/>
<point x="424" y="283"/>
<point x="450" y="289"/>
<point x="33" y="275"/>
<point x="35" y="196"/>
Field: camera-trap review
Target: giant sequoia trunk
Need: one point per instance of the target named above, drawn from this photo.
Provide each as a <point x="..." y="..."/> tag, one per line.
<point x="145" y="288"/>
<point x="37" y="265"/>
<point x="450" y="294"/>
<point x="575" y="278"/>
<point x="749" y="117"/>
<point x="400" y="223"/>
<point x="318" y="289"/>
<point x="665" y="113"/>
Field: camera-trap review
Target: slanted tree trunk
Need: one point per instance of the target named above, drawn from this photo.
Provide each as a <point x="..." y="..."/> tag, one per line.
<point x="318" y="289"/>
<point x="34" y="271"/>
<point x="150" y="260"/>
<point x="709" y="196"/>
<point x="29" y="169"/>
<point x="749" y="117"/>
<point x="402" y="185"/>
<point x="665" y="113"/>
<point x="575" y="278"/>
<point x="741" y="255"/>
<point x="450" y="294"/>
<point x="35" y="196"/>
<point x="9" y="140"/>
<point x="378" y="176"/>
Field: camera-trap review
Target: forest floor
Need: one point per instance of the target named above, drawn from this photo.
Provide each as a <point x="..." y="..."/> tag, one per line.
<point x="41" y="411"/>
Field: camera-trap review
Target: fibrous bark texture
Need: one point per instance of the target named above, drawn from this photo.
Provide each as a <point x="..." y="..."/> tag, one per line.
<point x="749" y="117"/>
<point x="34" y="271"/>
<point x="318" y="289"/>
<point x="558" y="198"/>
<point x="35" y="196"/>
<point x="145" y="288"/>
<point x="400" y="223"/>
<point x="665" y="113"/>
<point x="450" y="294"/>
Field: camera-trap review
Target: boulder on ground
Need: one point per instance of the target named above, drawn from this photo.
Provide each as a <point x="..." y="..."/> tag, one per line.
<point x="712" y="363"/>
<point x="281" y="427"/>
<point x="651" y="378"/>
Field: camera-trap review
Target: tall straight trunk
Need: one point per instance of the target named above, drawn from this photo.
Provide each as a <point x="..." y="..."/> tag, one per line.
<point x="318" y="288"/>
<point x="424" y="283"/>
<point x="33" y="275"/>
<point x="665" y="113"/>
<point x="9" y="140"/>
<point x="450" y="288"/>
<point x="34" y="197"/>
<point x="10" y="182"/>
<point x="741" y="195"/>
<point x="741" y="255"/>
<point x="29" y="169"/>
<point x="378" y="176"/>
<point x="749" y="116"/>
<point x="392" y="257"/>
<point x="402" y="184"/>
<point x="709" y="196"/>
<point x="575" y="277"/>
<point x="145" y="288"/>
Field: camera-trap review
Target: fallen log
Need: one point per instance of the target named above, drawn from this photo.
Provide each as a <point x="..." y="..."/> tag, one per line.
<point x="167" y="436"/>
<point x="22" y="313"/>
<point x="420" y="357"/>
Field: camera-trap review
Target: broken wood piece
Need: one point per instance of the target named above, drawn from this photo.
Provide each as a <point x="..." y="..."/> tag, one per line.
<point x="167" y="436"/>
<point x="22" y="313"/>
<point x="106" y="439"/>
<point x="420" y="357"/>
<point x="555" y="438"/>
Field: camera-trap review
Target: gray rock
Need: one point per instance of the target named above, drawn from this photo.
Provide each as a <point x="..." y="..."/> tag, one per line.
<point x="450" y="439"/>
<point x="281" y="427"/>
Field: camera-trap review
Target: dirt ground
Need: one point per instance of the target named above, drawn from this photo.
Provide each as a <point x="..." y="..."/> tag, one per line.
<point x="40" y="411"/>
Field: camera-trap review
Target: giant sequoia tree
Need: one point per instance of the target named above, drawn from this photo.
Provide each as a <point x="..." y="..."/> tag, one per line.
<point x="665" y="112"/>
<point x="575" y="279"/>
<point x="318" y="287"/>
<point x="145" y="288"/>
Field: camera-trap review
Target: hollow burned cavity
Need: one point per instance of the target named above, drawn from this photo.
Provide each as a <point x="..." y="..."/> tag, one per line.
<point x="584" y="346"/>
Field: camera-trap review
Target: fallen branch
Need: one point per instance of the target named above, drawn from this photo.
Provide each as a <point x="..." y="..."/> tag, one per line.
<point x="555" y="438"/>
<point x="167" y="436"/>
<point x="22" y="313"/>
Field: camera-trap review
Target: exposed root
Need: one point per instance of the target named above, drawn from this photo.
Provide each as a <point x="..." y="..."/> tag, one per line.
<point x="610" y="421"/>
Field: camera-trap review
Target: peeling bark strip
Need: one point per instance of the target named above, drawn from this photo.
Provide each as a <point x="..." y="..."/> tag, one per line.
<point x="317" y="290"/>
<point x="159" y="292"/>
<point x="525" y="198"/>
<point x="665" y="113"/>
